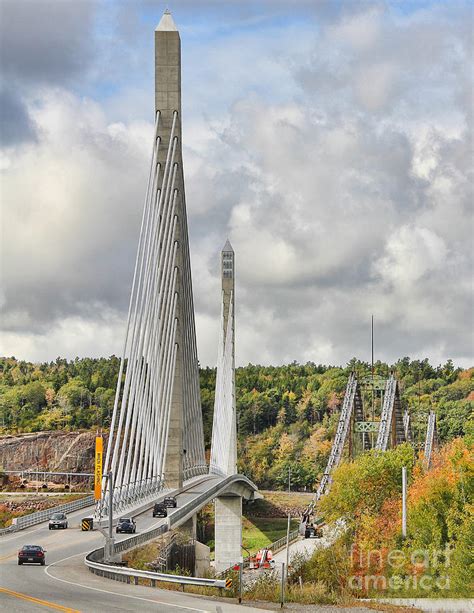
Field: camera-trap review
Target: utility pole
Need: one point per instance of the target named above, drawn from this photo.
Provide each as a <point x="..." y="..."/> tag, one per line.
<point x="372" y="368"/>
<point x="373" y="382"/>
<point x="288" y="527"/>
<point x="404" y="502"/>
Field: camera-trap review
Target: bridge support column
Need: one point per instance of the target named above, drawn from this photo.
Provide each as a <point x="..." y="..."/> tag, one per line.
<point x="228" y="531"/>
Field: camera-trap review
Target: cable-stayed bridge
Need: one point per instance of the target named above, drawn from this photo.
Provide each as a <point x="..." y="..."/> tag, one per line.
<point x="156" y="441"/>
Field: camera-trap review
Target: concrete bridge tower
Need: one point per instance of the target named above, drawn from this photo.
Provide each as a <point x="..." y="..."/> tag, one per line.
<point x="228" y="509"/>
<point x="181" y="458"/>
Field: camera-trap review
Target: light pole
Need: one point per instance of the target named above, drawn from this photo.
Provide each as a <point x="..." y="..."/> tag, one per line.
<point x="109" y="539"/>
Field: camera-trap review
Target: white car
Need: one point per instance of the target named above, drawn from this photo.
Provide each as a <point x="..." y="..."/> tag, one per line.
<point x="58" y="520"/>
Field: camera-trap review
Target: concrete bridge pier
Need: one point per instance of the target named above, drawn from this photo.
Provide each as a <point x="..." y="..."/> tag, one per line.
<point x="228" y="531"/>
<point x="190" y="527"/>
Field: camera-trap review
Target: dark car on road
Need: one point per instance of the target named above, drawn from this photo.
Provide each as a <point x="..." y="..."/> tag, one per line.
<point x="32" y="554"/>
<point x="170" y="502"/>
<point x="126" y="524"/>
<point x="160" y="510"/>
<point x="58" y="520"/>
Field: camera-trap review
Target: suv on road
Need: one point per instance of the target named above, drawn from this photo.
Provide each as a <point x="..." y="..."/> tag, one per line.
<point x="57" y="520"/>
<point x="126" y="524"/>
<point x="170" y="502"/>
<point x="160" y="510"/>
<point x="31" y="554"/>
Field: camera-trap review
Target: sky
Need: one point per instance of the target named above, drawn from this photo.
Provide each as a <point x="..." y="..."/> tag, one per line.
<point x="329" y="140"/>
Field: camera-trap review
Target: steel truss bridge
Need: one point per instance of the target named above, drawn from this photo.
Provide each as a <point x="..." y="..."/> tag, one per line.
<point x="393" y="429"/>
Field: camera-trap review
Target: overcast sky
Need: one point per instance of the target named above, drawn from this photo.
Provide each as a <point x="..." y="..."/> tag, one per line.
<point x="330" y="141"/>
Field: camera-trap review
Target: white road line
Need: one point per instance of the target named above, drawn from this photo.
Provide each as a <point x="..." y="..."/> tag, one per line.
<point x="96" y="589"/>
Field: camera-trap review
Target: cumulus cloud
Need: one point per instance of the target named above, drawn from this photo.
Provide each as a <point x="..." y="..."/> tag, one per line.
<point x="335" y="157"/>
<point x="74" y="226"/>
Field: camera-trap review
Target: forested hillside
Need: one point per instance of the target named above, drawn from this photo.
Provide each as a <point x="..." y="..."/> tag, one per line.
<point x="371" y="558"/>
<point x="286" y="414"/>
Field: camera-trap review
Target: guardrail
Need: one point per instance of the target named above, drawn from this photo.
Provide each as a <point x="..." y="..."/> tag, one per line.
<point x="139" y="539"/>
<point x="25" y="521"/>
<point x="280" y="543"/>
<point x="177" y="517"/>
<point x="131" y="574"/>
<point x="45" y="474"/>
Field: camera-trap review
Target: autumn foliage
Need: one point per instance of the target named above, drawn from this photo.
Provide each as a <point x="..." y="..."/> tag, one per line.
<point x="436" y="558"/>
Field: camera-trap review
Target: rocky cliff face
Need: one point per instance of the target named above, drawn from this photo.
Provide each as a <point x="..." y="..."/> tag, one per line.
<point x="50" y="451"/>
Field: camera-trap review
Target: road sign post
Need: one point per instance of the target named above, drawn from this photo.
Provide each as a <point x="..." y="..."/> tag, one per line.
<point x="241" y="568"/>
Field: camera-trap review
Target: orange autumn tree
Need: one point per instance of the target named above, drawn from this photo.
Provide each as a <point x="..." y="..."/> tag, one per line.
<point x="440" y="533"/>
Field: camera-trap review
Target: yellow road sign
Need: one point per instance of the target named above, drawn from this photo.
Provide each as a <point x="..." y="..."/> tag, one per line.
<point x="98" y="467"/>
<point x="228" y="584"/>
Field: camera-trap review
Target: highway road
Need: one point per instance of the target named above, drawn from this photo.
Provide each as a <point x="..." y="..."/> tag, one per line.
<point x="65" y="584"/>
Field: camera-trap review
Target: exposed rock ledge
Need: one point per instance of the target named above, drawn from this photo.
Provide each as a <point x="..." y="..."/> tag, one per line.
<point x="50" y="451"/>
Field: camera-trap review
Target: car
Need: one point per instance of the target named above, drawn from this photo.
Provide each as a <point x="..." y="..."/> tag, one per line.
<point x="126" y="524"/>
<point x="170" y="502"/>
<point x="160" y="510"/>
<point x="58" y="520"/>
<point x="31" y="554"/>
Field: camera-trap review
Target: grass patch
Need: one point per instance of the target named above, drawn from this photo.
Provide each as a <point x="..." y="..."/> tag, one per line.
<point x="258" y="532"/>
<point x="140" y="557"/>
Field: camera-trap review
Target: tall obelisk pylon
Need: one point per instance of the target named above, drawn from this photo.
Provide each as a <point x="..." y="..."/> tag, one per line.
<point x="167" y="102"/>
<point x="228" y="310"/>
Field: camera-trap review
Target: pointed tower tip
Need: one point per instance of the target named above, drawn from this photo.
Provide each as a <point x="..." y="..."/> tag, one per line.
<point x="227" y="246"/>
<point x="167" y="23"/>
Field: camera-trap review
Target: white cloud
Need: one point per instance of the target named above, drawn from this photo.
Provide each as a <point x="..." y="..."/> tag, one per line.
<point x="411" y="254"/>
<point x="335" y="158"/>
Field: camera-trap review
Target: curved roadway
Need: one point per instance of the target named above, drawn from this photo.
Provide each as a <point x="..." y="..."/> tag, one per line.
<point x="65" y="584"/>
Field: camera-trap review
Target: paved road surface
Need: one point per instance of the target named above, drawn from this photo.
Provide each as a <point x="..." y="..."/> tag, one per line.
<point x="65" y="584"/>
<point x="305" y="547"/>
